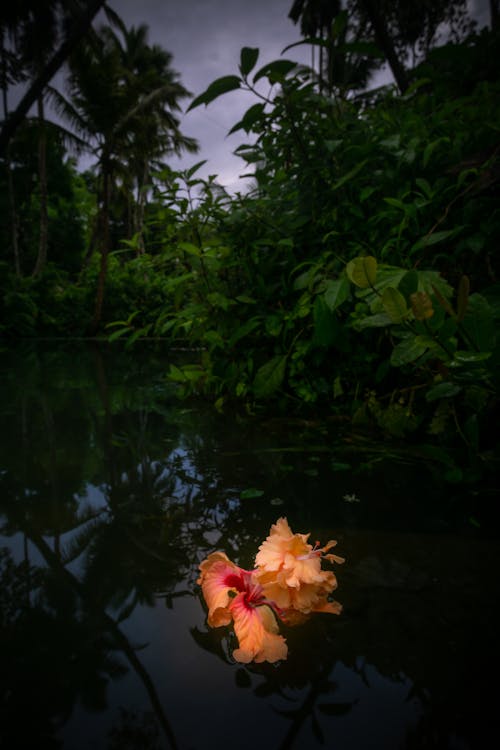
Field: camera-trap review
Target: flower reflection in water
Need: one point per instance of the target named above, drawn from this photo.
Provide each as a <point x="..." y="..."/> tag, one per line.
<point x="287" y="583"/>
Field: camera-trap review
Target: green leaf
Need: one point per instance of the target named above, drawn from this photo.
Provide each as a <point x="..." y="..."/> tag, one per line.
<point x="424" y="186"/>
<point x="469" y="358"/>
<point x="315" y="41"/>
<point x="396" y="203"/>
<point x="218" y="300"/>
<point x="251" y="493"/>
<point x="362" y="271"/>
<point x="117" y="334"/>
<point x="190" y="249"/>
<point x="336" y="292"/>
<point x="217" y="88"/>
<point x="409" y="283"/>
<point x="394" y="304"/>
<point x="248" y="58"/>
<point x="462" y="297"/>
<point x="431" y="147"/>
<point x="337" y="387"/>
<point x="190" y="172"/>
<point x="434" y="238"/>
<point x="408" y="350"/>
<point x="324" y="324"/>
<point x="352" y="173"/>
<point x="249" y="119"/>
<point x="479" y="322"/>
<point x="442" y="390"/>
<point x="275" y="70"/>
<point x="242" y="331"/>
<point x="270" y="376"/>
<point x="379" y="320"/>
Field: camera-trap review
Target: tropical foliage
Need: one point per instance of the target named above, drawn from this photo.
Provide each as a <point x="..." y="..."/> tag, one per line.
<point x="357" y="274"/>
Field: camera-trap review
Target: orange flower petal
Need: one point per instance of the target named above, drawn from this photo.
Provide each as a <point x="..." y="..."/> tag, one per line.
<point x="256" y="630"/>
<point x="218" y="577"/>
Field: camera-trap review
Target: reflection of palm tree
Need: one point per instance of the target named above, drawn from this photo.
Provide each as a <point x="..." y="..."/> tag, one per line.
<point x="54" y="638"/>
<point x="80" y="647"/>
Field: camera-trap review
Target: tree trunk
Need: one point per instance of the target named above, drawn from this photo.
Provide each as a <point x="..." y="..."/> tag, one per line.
<point x="385" y="42"/>
<point x="14" y="225"/>
<point x="42" y="181"/>
<point x="494" y="13"/>
<point x="141" y="206"/>
<point x="104" y="242"/>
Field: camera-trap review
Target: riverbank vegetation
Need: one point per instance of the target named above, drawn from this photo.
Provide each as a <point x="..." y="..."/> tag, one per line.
<point x="356" y="277"/>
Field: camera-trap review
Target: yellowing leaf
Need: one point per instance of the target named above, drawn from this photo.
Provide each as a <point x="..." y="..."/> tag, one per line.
<point x="394" y="304"/>
<point x="362" y="271"/>
<point x="421" y="305"/>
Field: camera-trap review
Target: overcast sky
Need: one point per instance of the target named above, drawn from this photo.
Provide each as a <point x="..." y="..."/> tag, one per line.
<point x="205" y="38"/>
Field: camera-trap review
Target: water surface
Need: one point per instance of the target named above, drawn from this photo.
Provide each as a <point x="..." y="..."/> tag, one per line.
<point x="111" y="493"/>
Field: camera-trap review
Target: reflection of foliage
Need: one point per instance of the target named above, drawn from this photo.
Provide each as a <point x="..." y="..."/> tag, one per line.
<point x="51" y="655"/>
<point x="16" y="584"/>
<point x="301" y="684"/>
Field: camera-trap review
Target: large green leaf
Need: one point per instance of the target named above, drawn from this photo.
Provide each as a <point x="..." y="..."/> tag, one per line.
<point x="275" y="70"/>
<point x="434" y="238"/>
<point x="251" y="116"/>
<point x="324" y="324"/>
<point x="216" y="88"/>
<point x="379" y="320"/>
<point x="190" y="249"/>
<point x="270" y="376"/>
<point x="479" y="323"/>
<point x="336" y="292"/>
<point x="442" y="390"/>
<point x="248" y="57"/>
<point x="408" y="350"/>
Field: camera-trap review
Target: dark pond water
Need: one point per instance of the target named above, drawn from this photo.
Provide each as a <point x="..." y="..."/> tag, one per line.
<point x="111" y="493"/>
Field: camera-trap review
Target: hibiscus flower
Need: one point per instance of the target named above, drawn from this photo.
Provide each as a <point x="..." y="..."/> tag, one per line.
<point x="288" y="581"/>
<point x="234" y="594"/>
<point x="290" y="571"/>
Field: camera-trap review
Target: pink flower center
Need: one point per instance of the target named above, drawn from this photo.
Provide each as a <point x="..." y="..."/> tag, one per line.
<point x="245" y="583"/>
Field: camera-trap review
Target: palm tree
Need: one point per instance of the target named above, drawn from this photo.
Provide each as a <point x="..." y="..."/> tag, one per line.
<point x="156" y="132"/>
<point x="338" y="32"/>
<point x="316" y="18"/>
<point x="78" y="28"/>
<point x="11" y="72"/>
<point x="122" y="96"/>
<point x="38" y="34"/>
<point x="33" y="29"/>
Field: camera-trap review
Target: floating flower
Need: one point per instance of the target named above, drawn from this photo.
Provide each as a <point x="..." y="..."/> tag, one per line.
<point x="288" y="581"/>
<point x="290" y="571"/>
<point x="234" y="594"/>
